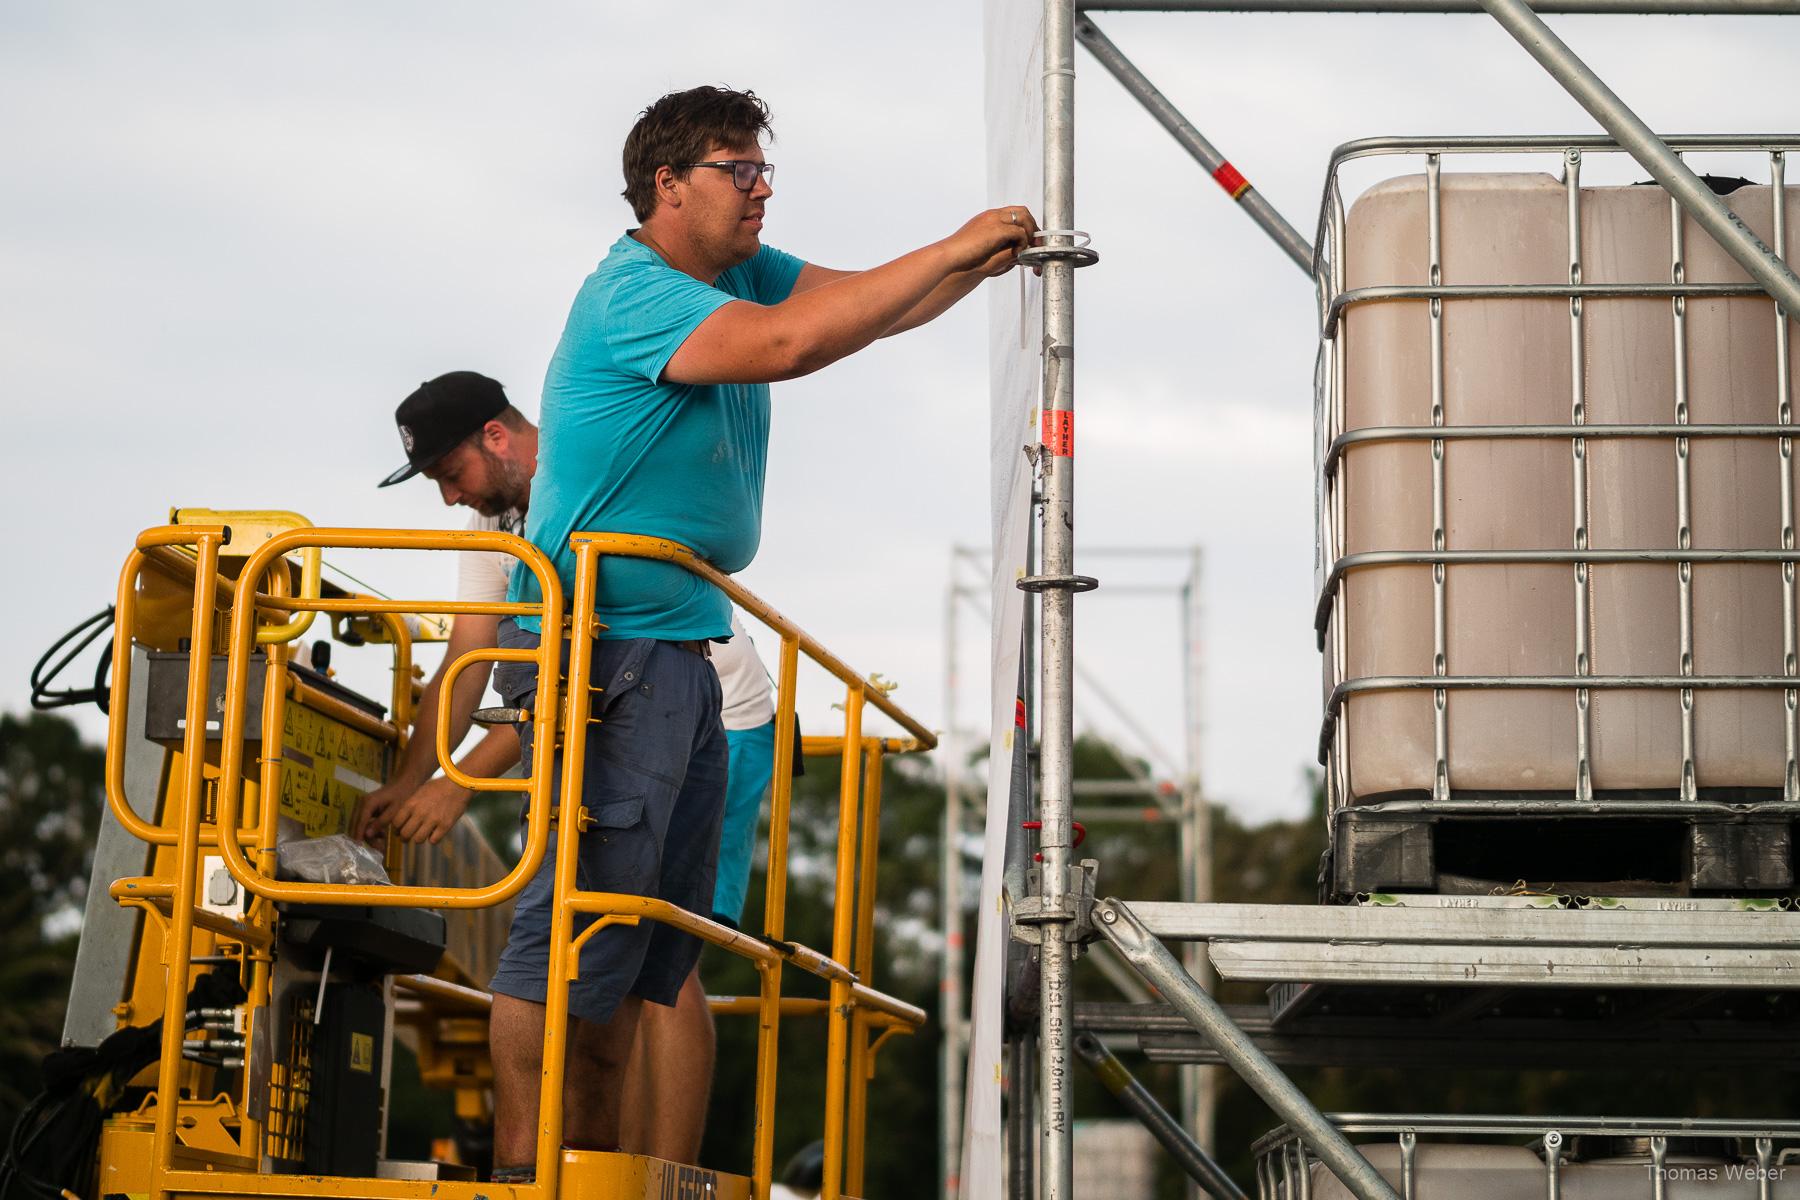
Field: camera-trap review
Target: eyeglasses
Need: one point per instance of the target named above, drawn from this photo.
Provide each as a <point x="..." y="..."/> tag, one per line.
<point x="744" y="172"/>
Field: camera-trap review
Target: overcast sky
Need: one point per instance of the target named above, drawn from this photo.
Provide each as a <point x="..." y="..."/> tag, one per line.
<point x="232" y="237"/>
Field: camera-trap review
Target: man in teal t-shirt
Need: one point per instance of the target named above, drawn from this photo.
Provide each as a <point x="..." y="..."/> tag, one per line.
<point x="656" y="421"/>
<point x="631" y="452"/>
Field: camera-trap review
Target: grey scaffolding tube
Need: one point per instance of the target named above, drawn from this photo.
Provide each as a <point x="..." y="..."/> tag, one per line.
<point x="1056" y="903"/>
<point x="1136" y="1099"/>
<point x="1255" y="205"/>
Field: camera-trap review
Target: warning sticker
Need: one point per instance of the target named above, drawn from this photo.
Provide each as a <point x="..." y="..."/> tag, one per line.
<point x="1059" y="432"/>
<point x="326" y="767"/>
<point x="362" y="1053"/>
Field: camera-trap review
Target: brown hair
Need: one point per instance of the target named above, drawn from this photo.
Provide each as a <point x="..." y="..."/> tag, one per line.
<point x="681" y="127"/>
<point x="509" y="417"/>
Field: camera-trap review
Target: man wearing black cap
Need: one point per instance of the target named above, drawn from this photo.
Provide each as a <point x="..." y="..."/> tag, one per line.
<point x="461" y="433"/>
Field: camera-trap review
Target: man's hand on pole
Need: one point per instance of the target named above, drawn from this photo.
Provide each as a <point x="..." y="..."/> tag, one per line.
<point x="990" y="243"/>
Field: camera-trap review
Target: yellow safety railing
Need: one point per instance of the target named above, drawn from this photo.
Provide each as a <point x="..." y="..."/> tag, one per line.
<point x="860" y="1018"/>
<point x="854" y="1007"/>
<point x="158" y="547"/>
<point x="165" y="549"/>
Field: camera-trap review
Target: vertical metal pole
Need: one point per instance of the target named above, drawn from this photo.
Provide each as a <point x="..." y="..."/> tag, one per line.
<point x="577" y="706"/>
<point x="1440" y="698"/>
<point x="1684" y="520"/>
<point x="1057" y="695"/>
<point x="1196" y="849"/>
<point x="1584" y="724"/>
<point x="768" y="1035"/>
<point x="1784" y="413"/>
<point x="843" y="933"/>
<point x="861" y="1061"/>
<point x="1637" y="139"/>
<point x="1021" y="1113"/>
<point x="178" y="948"/>
<point x="1334" y="519"/>
<point x="950" y="1098"/>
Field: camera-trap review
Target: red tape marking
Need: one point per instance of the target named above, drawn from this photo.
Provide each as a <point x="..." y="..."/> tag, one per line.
<point x="1059" y="432"/>
<point x="1228" y="178"/>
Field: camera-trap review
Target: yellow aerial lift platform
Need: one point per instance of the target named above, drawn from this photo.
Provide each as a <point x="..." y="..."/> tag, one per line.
<point x="263" y="1007"/>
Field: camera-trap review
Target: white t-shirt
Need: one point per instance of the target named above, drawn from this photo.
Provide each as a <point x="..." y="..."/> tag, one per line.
<point x="749" y="697"/>
<point x="482" y="576"/>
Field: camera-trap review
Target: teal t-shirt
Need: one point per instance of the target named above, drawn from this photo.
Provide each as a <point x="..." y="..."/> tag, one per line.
<point x="621" y="450"/>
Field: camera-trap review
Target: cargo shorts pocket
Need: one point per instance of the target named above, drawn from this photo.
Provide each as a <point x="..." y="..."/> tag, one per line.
<point x="615" y="814"/>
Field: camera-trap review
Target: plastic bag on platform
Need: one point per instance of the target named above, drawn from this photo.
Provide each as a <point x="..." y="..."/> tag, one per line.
<point x="334" y="858"/>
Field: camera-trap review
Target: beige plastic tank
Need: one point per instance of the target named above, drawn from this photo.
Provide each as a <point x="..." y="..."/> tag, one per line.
<point x="1470" y="1171"/>
<point x="1508" y="362"/>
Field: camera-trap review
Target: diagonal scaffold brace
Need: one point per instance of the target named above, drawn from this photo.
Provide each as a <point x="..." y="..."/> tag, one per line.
<point x="1114" y="921"/>
<point x="1651" y="152"/>
<point x="1136" y="1099"/>
<point x="1255" y="205"/>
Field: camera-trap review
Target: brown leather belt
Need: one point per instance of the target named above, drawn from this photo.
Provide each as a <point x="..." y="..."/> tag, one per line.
<point x="700" y="646"/>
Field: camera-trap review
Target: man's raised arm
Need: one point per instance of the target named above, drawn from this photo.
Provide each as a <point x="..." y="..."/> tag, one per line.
<point x="750" y="343"/>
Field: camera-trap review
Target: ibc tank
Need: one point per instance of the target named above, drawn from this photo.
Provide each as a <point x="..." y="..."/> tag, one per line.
<point x="1510" y="361"/>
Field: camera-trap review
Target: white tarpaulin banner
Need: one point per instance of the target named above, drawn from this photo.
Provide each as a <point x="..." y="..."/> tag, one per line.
<point x="1015" y="155"/>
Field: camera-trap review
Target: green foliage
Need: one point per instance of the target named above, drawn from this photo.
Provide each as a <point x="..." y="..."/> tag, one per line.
<point x="50" y="797"/>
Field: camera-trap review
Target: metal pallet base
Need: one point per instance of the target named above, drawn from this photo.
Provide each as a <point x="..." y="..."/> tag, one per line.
<point x="1668" y="849"/>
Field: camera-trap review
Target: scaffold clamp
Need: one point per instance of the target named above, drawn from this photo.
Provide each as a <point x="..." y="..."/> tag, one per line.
<point x="1058" y="583"/>
<point x="1075" y="913"/>
<point x="1078" y="253"/>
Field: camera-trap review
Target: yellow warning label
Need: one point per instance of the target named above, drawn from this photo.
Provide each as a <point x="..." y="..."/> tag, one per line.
<point x="362" y="1052"/>
<point x="326" y="768"/>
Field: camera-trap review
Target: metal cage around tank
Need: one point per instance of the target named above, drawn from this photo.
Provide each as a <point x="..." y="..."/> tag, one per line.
<point x="1339" y="437"/>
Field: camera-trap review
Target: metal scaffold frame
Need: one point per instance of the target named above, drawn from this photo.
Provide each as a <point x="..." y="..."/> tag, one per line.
<point x="1169" y="792"/>
<point x="1417" y="945"/>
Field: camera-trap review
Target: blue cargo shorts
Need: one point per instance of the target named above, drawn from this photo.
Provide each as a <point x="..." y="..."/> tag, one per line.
<point x="653" y="783"/>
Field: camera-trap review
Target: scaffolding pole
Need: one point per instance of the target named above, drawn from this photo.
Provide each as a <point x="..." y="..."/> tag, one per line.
<point x="1174" y="795"/>
<point x="1255" y="205"/>
<point x="1056" y="587"/>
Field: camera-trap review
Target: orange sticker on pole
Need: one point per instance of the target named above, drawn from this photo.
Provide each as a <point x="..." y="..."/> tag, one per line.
<point x="1228" y="178"/>
<point x="1059" y="432"/>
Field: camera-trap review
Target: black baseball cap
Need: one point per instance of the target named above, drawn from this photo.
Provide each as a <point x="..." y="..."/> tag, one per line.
<point x="435" y="419"/>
